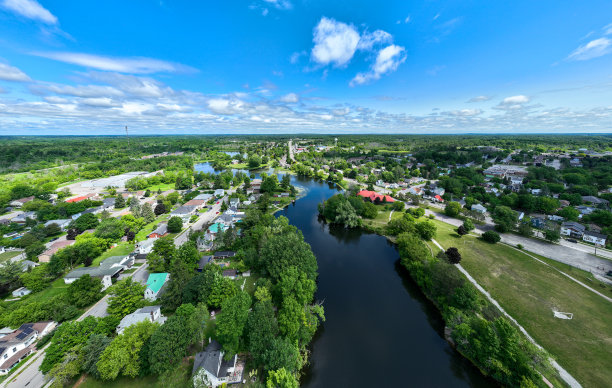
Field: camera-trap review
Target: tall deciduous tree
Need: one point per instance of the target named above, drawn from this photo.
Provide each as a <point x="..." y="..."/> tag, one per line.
<point x="231" y="321"/>
<point x="125" y="297"/>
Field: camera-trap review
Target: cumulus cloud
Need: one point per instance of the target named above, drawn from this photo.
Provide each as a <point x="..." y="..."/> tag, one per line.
<point x="135" y="65"/>
<point x="30" y="9"/>
<point x="11" y="73"/>
<point x="593" y="49"/>
<point x="335" y="42"/>
<point x="479" y="99"/>
<point x="387" y="60"/>
<point x="85" y="91"/>
<point x="290" y="98"/>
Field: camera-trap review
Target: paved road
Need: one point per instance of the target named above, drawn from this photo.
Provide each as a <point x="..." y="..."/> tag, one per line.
<point x="587" y="249"/>
<point x="202" y="220"/>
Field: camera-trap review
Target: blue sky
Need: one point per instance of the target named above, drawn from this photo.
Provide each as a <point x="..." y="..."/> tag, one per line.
<point x="297" y="66"/>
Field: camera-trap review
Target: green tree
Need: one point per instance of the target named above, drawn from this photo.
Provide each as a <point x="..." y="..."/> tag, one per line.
<point x="452" y="209"/>
<point x="91" y="352"/>
<point x="37" y="279"/>
<point x="261" y="329"/>
<point x="281" y="378"/>
<point x="119" y="202"/>
<point x="412" y="248"/>
<point x="85" y="222"/>
<point x="146" y="212"/>
<point x="426" y="229"/>
<point x="231" y="321"/>
<point x="280" y="252"/>
<point x="269" y="184"/>
<point x="491" y="237"/>
<point x="126" y="296"/>
<point x="569" y="213"/>
<point x="525" y="229"/>
<point x="175" y="225"/>
<point x="468" y="225"/>
<point x="84" y="291"/>
<point x="123" y="355"/>
<point x="110" y="228"/>
<point x="552" y="235"/>
<point x="505" y="219"/>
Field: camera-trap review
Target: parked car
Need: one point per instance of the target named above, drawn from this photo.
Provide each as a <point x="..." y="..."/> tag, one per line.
<point x="572" y="240"/>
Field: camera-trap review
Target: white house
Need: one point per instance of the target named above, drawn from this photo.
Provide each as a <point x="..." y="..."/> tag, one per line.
<point x="107" y="269"/>
<point x="595" y="238"/>
<point x="21" y="291"/>
<point x="145" y="247"/>
<point x="17" y="345"/>
<point x="572" y="229"/>
<point x="63" y="224"/>
<point x="148" y="313"/>
<point x="212" y="369"/>
<point x="479" y="208"/>
<point x="219" y="193"/>
<point x="155" y="285"/>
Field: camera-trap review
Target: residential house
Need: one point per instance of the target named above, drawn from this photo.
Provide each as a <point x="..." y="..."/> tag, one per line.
<point x="595" y="201"/>
<point x="595" y="238"/>
<point x="479" y="208"/>
<point x="45" y="257"/>
<point x="21" y="201"/>
<point x="538" y="221"/>
<point x="230" y="273"/>
<point x="18" y="344"/>
<point x="155" y="285"/>
<point x="145" y="247"/>
<point x="160" y="231"/>
<point x="234" y="202"/>
<point x="63" y="224"/>
<point x="108" y="204"/>
<point x="198" y="203"/>
<point x="438" y="191"/>
<point x="22" y="218"/>
<point x="255" y="185"/>
<point x="585" y="210"/>
<point x="572" y="229"/>
<point x="219" y="193"/>
<point x="205" y="243"/>
<point x="184" y="212"/>
<point x="555" y="218"/>
<point x="21" y="291"/>
<point x="374" y="197"/>
<point x="204" y="197"/>
<point x="212" y="367"/>
<point x="224" y="254"/>
<point x="107" y="270"/>
<point x="147" y="313"/>
<point x="26" y="265"/>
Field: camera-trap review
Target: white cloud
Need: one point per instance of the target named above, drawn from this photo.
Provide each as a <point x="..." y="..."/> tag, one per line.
<point x="407" y="20"/>
<point x="279" y="4"/>
<point x="84" y="91"/>
<point x="103" y="102"/>
<point x="608" y="29"/>
<point x="290" y="98"/>
<point x="368" y="40"/>
<point x="593" y="49"/>
<point x="11" y="73"/>
<point x="465" y="112"/>
<point x="264" y="12"/>
<point x="387" y="60"/>
<point x="295" y="57"/>
<point x="520" y="99"/>
<point x="479" y="99"/>
<point x="225" y="106"/>
<point x="135" y="65"/>
<point x="335" y="42"/>
<point x="31" y="10"/>
<point x="133" y="85"/>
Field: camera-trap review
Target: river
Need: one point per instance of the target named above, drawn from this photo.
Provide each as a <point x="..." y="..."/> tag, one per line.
<point x="380" y="330"/>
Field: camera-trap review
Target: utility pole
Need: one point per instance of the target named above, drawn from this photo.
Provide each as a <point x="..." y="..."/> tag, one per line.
<point x="127" y="135"/>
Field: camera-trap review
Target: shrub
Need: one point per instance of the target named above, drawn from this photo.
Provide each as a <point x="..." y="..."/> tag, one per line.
<point x="491" y="237"/>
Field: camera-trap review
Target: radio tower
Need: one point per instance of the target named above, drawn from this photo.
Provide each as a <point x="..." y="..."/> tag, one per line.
<point x="127" y="135"/>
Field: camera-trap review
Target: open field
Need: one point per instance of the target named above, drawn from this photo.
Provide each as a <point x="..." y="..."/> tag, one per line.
<point x="161" y="186"/>
<point x="382" y="218"/>
<point x="530" y="291"/>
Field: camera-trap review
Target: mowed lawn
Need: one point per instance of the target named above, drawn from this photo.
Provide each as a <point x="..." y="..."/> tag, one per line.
<point x="530" y="291"/>
<point x="9" y="255"/>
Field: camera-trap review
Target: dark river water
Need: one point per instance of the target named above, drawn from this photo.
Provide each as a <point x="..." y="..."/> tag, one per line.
<point x="380" y="330"/>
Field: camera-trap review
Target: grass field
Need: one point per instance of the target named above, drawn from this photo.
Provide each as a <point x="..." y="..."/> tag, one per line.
<point x="529" y="291"/>
<point x="8" y="255"/>
<point x="122" y="249"/>
<point x="382" y="218"/>
<point x="162" y="186"/>
<point x="147" y="229"/>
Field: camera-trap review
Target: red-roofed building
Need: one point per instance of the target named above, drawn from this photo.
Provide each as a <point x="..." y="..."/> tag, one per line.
<point x="79" y="199"/>
<point x="374" y="196"/>
<point x="438" y="198"/>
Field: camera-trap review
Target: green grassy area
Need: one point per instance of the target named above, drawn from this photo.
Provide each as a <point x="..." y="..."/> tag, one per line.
<point x="529" y="291"/>
<point x="9" y="255"/>
<point x="162" y="186"/>
<point x="382" y="218"/>
<point x="176" y="378"/>
<point x="122" y="249"/>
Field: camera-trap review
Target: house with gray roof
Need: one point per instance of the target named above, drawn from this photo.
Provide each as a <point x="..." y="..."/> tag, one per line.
<point x="63" y="224"/>
<point x="147" y="313"/>
<point x="184" y="212"/>
<point x="210" y="366"/>
<point x="107" y="270"/>
<point x="572" y="229"/>
<point x="595" y="238"/>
